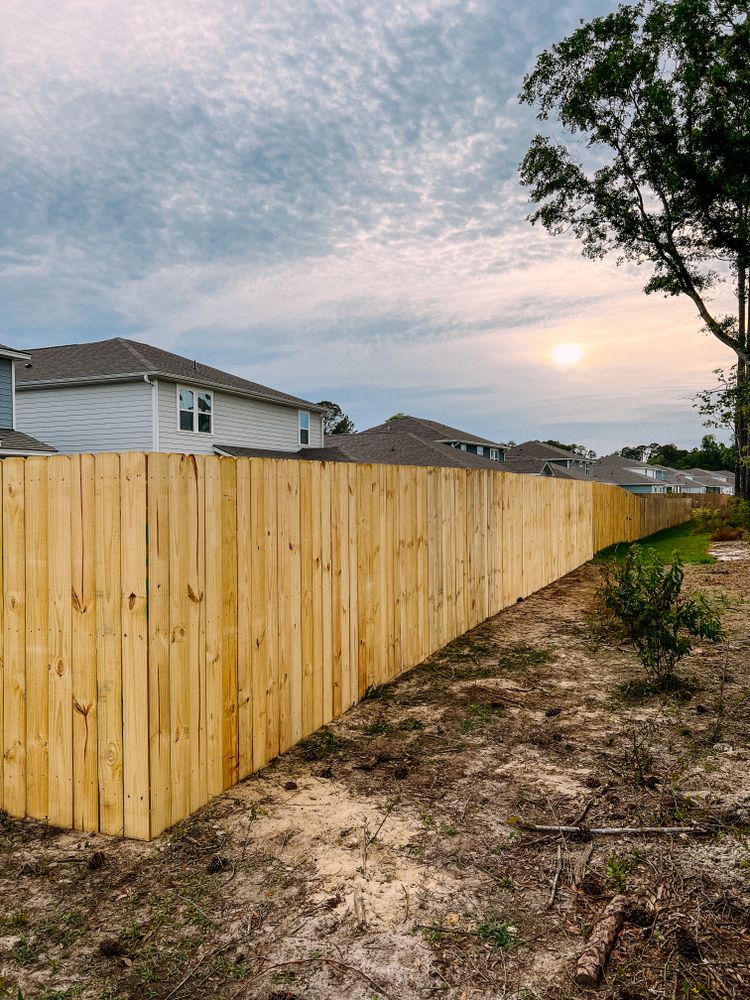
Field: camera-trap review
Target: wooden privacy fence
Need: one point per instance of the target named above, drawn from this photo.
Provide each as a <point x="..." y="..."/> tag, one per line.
<point x="170" y="623"/>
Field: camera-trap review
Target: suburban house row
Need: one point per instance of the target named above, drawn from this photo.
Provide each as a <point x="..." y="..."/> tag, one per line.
<point x="122" y="395"/>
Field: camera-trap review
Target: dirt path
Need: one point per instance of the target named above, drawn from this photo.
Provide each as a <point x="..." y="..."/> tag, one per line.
<point x="384" y="857"/>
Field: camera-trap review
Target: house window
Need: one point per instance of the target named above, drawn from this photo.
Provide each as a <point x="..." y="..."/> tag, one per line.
<point x="480" y="449"/>
<point x="196" y="410"/>
<point x="494" y="455"/>
<point x="304" y="427"/>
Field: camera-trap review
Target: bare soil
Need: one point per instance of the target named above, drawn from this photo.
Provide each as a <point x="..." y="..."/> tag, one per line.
<point x="388" y="856"/>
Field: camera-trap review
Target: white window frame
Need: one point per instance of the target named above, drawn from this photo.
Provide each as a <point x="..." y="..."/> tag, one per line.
<point x="300" y="428"/>
<point x="494" y="455"/>
<point x="195" y="390"/>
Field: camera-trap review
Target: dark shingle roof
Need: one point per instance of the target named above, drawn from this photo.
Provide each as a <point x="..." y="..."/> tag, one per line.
<point x="538" y="449"/>
<point x="399" y="447"/>
<point x="429" y="430"/>
<point x="309" y="454"/>
<point x="17" y="441"/>
<point x="604" y="472"/>
<point x="76" y="363"/>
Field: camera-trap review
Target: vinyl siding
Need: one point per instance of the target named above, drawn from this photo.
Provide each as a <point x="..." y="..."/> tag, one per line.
<point x="6" y="393"/>
<point x="241" y="422"/>
<point x="114" y="417"/>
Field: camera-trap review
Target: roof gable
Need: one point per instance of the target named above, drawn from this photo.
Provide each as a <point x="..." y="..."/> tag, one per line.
<point x="429" y="430"/>
<point x="120" y="358"/>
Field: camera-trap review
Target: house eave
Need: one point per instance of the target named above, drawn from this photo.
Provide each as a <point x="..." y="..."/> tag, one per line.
<point x="167" y="377"/>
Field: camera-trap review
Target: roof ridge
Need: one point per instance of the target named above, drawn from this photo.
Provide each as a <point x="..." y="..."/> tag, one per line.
<point x="130" y="345"/>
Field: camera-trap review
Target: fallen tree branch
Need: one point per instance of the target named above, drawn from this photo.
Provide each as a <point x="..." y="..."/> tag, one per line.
<point x="594" y="957"/>
<point x="614" y="831"/>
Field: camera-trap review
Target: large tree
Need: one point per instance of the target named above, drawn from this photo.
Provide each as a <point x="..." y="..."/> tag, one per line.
<point x="654" y="165"/>
<point x="335" y="421"/>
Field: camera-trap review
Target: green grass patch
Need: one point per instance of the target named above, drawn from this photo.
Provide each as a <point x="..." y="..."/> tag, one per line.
<point x="501" y="934"/>
<point x="690" y="546"/>
<point x="320" y="744"/>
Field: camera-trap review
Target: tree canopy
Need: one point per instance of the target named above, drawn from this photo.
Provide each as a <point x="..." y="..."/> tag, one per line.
<point x="655" y="100"/>
<point x="710" y="454"/>
<point x="578" y="449"/>
<point x="335" y="421"/>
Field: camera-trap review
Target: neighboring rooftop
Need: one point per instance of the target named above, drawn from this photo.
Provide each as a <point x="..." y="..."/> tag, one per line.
<point x="538" y="449"/>
<point x="120" y="359"/>
<point x="15" y="441"/>
<point x="309" y="454"/>
<point x="395" y="446"/>
<point x="430" y="430"/>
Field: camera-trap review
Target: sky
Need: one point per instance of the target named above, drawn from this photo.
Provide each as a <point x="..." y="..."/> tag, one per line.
<point x="323" y="197"/>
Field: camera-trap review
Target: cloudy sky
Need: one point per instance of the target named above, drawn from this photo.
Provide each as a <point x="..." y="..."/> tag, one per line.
<point x="322" y="195"/>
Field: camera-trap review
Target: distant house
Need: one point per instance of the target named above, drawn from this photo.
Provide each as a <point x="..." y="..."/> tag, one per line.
<point x="411" y="440"/>
<point x="13" y="441"/>
<point x="641" y="477"/>
<point x="121" y="395"/>
<point x="635" y="477"/>
<point x="559" y="457"/>
<point x="702" y="481"/>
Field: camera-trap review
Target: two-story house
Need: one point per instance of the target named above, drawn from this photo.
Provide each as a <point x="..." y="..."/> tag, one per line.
<point x="13" y="441"/>
<point x="121" y="395"/>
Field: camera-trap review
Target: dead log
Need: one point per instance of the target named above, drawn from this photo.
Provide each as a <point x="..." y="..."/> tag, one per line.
<point x="594" y="957"/>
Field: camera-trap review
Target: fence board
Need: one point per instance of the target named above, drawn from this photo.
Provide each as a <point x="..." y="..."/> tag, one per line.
<point x="83" y="643"/>
<point x="108" y="643"/>
<point x="14" y="631"/>
<point x="37" y="642"/>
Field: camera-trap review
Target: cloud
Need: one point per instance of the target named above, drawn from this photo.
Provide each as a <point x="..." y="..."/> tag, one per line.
<point x="322" y="195"/>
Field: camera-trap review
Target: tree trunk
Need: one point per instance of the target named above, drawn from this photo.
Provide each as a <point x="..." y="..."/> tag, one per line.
<point x="742" y="432"/>
<point x="742" y="411"/>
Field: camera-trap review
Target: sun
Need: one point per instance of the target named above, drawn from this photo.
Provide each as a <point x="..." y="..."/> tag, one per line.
<point x="567" y="355"/>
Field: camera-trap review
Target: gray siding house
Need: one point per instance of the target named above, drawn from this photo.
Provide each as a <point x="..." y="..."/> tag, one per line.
<point x="121" y="395"/>
<point x="12" y="441"/>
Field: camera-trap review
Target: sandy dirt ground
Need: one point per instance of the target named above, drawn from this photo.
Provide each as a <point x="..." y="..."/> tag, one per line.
<point x="389" y="855"/>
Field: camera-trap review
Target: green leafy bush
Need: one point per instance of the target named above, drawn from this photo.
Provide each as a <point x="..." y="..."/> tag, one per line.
<point x="736" y="514"/>
<point x="643" y="599"/>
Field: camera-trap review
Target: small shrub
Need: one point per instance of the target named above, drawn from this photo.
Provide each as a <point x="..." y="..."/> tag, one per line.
<point x="617" y="872"/>
<point x="644" y="600"/>
<point x="320" y="744"/>
<point x="501" y="934"/>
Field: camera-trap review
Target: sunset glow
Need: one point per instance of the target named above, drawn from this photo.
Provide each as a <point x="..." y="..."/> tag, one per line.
<point x="567" y="355"/>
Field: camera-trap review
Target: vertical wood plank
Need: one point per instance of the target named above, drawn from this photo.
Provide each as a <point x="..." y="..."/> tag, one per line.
<point x="37" y="641"/>
<point x="133" y="562"/>
<point x="229" y="543"/>
<point x="108" y="646"/>
<point x="83" y="643"/>
<point x="290" y="626"/>
<point x="259" y="617"/>
<point x="159" y="641"/>
<point x="214" y="628"/>
<point x="352" y="473"/>
<point x="181" y="526"/>
<point x="325" y="667"/>
<point x="271" y="534"/>
<point x="14" y="634"/>
<point x="245" y="652"/>
<point x="60" y="645"/>
<point x="308" y="529"/>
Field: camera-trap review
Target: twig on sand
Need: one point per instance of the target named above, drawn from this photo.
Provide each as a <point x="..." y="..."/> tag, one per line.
<point x="334" y="963"/>
<point x="556" y="879"/>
